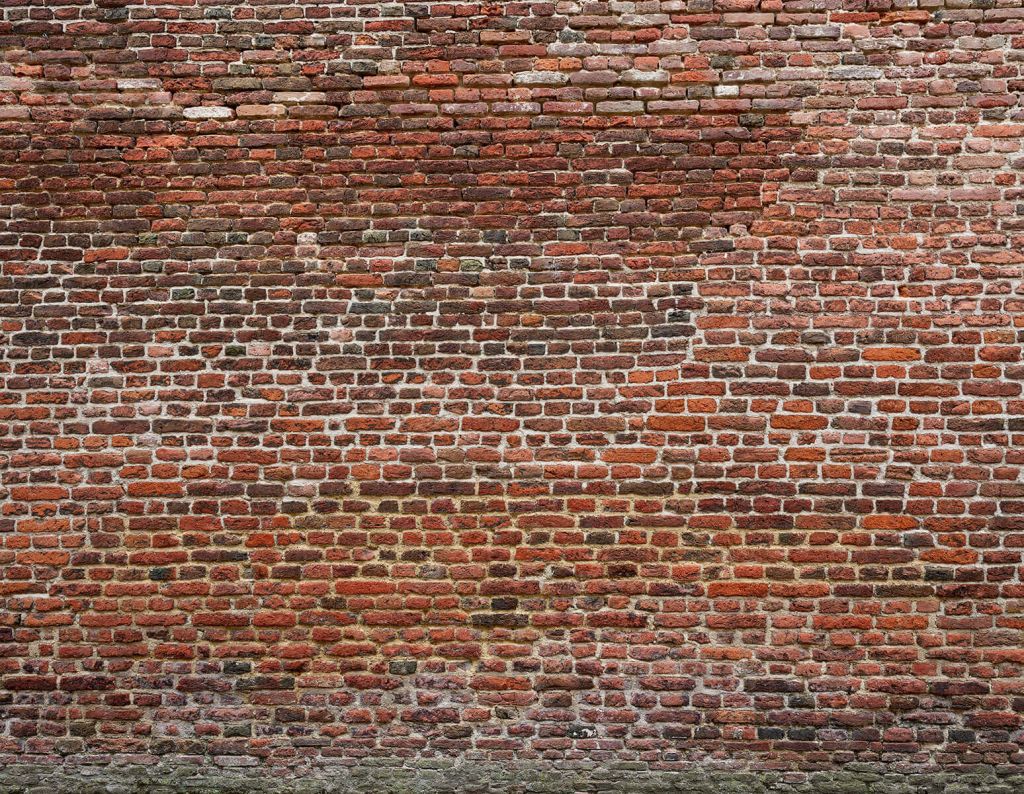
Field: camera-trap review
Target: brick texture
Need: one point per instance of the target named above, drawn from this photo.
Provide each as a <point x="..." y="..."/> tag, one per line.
<point x="619" y="382"/>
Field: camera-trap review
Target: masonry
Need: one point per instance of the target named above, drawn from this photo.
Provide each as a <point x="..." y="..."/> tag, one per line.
<point x="524" y="396"/>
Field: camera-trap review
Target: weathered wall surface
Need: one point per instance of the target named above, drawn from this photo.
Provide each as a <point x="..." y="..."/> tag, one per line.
<point x="624" y="384"/>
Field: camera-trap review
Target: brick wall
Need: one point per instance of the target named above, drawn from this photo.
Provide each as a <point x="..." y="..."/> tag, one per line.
<point x="619" y="382"/>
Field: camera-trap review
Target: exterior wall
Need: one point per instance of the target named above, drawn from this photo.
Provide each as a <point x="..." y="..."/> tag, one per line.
<point x="614" y="387"/>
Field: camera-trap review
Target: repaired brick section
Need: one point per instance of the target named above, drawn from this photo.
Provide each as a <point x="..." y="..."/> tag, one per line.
<point x="631" y="383"/>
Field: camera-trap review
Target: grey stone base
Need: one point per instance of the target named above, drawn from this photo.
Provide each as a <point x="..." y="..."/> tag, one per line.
<point x="435" y="777"/>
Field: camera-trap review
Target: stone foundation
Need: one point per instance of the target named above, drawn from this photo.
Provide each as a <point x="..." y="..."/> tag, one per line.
<point x="438" y="777"/>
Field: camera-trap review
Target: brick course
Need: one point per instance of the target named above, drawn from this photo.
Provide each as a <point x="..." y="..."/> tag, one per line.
<point x="568" y="382"/>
